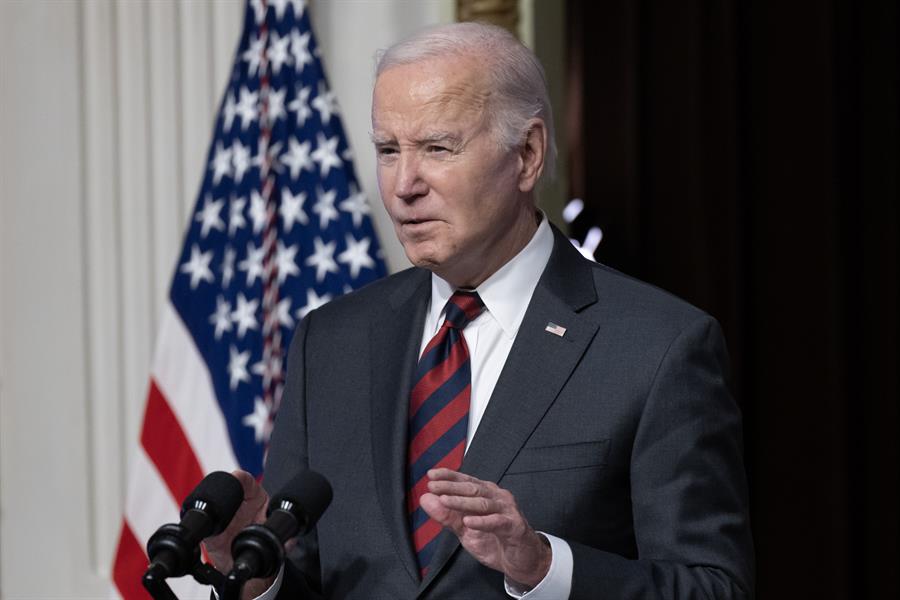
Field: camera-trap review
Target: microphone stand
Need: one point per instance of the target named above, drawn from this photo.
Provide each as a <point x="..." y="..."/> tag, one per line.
<point x="154" y="580"/>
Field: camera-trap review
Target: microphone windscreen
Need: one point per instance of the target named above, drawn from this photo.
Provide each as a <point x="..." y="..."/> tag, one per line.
<point x="220" y="494"/>
<point x="307" y="496"/>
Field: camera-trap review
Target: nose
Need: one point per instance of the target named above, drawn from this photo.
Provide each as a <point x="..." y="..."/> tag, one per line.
<point x="409" y="183"/>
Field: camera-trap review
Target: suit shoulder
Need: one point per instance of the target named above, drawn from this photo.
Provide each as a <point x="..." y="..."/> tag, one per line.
<point x="639" y="300"/>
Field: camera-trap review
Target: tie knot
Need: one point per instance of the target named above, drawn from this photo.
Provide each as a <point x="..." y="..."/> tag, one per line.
<point x="462" y="308"/>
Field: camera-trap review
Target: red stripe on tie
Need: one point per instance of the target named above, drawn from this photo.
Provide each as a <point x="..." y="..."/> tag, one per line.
<point x="451" y="461"/>
<point x="129" y="565"/>
<point x="426" y="532"/>
<point x="439" y="424"/>
<point x="438" y="376"/>
<point x="168" y="447"/>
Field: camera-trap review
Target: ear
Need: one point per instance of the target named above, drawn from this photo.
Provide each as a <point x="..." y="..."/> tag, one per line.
<point x="531" y="155"/>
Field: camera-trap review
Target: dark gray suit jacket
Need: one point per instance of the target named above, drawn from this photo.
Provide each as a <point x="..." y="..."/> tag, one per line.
<point x="619" y="437"/>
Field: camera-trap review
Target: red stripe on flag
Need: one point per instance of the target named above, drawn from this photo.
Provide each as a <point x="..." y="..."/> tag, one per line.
<point x="168" y="446"/>
<point x="129" y="566"/>
<point x="451" y="461"/>
<point x="439" y="425"/>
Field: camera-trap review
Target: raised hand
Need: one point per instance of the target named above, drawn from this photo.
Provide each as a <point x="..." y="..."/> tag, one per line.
<point x="489" y="525"/>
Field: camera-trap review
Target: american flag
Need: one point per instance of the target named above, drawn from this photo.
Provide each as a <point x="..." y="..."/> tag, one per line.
<point x="280" y="227"/>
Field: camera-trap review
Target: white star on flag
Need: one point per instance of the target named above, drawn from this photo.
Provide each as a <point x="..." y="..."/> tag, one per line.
<point x="324" y="207"/>
<point x="247" y="108"/>
<point x="258" y="419"/>
<point x="221" y="319"/>
<point x="273" y="151"/>
<point x="326" y="103"/>
<point x="278" y="52"/>
<point x="356" y="255"/>
<point x="237" y="367"/>
<point x="297" y="157"/>
<point x="240" y="158"/>
<point x="244" y="316"/>
<point x="228" y="266"/>
<point x="356" y="204"/>
<point x="285" y="261"/>
<point x="259" y="10"/>
<point x="276" y="104"/>
<point x="221" y="163"/>
<point x="236" y="218"/>
<point x="229" y="111"/>
<point x="326" y="153"/>
<point x="268" y="370"/>
<point x="291" y="209"/>
<point x="313" y="301"/>
<point x="209" y="216"/>
<point x="253" y="264"/>
<point x="257" y="211"/>
<point x="198" y="267"/>
<point x="300" y="105"/>
<point x="283" y="311"/>
<point x="281" y="5"/>
<point x="300" y="50"/>
<point x="253" y="54"/>
<point x="323" y="258"/>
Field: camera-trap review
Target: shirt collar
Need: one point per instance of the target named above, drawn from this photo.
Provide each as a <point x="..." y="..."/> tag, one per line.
<point x="507" y="293"/>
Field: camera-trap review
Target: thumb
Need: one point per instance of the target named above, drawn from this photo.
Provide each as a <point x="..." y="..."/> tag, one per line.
<point x="432" y="505"/>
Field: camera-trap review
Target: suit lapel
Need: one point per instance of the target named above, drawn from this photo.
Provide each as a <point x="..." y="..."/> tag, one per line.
<point x="395" y="340"/>
<point x="538" y="366"/>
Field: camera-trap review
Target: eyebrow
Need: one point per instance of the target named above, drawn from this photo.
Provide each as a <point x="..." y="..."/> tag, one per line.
<point x="379" y="140"/>
<point x="438" y="136"/>
<point x="431" y="138"/>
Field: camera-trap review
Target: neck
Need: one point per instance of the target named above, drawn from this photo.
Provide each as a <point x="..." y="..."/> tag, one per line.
<point x="506" y="248"/>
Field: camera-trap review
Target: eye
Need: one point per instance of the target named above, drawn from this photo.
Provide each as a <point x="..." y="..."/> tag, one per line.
<point x="435" y="148"/>
<point x="385" y="151"/>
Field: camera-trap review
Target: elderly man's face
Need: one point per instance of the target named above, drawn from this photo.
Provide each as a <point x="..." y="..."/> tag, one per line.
<point x="452" y="192"/>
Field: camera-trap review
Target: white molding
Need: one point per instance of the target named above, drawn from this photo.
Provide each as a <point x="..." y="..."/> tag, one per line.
<point x="133" y="199"/>
<point x="104" y="358"/>
<point x="198" y="100"/>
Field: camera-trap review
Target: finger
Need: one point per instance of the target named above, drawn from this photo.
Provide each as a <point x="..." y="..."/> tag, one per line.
<point x="496" y="523"/>
<point x="443" y="474"/>
<point x="471" y="506"/>
<point x="459" y="488"/>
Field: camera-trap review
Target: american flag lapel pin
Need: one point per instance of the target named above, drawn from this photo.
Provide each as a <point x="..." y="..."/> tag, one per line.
<point x="555" y="329"/>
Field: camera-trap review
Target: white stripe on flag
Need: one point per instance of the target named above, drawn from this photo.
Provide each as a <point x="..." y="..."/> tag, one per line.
<point x="149" y="503"/>
<point x="183" y="378"/>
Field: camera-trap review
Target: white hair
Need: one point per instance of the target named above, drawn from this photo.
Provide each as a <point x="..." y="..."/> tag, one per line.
<point x="518" y="85"/>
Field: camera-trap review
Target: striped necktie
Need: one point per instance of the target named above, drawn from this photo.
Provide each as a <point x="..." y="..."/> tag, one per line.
<point x="439" y="415"/>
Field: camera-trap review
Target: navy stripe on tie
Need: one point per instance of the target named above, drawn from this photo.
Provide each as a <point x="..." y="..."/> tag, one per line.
<point x="435" y="356"/>
<point x="439" y="450"/>
<point x="439" y="399"/>
<point x="427" y="551"/>
<point x="418" y="518"/>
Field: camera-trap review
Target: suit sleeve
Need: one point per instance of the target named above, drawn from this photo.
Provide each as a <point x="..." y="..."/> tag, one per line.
<point x="287" y="455"/>
<point x="688" y="487"/>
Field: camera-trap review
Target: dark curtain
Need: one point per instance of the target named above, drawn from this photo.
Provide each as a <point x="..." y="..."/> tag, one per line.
<point x="744" y="155"/>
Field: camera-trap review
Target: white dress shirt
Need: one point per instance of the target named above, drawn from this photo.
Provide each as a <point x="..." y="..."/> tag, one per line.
<point x="506" y="295"/>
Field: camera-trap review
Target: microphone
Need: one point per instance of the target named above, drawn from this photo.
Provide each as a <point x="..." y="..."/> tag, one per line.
<point x="259" y="549"/>
<point x="175" y="549"/>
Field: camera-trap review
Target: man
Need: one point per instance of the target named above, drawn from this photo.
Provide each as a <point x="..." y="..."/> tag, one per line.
<point x="558" y="396"/>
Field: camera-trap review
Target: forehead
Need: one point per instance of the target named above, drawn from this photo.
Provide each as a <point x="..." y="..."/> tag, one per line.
<point x="434" y="91"/>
